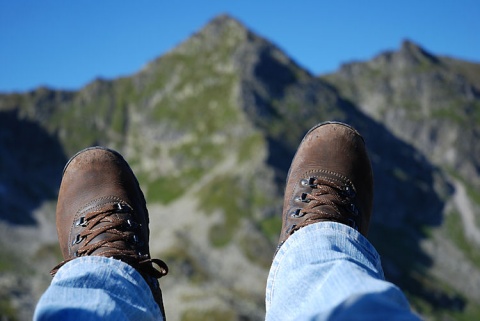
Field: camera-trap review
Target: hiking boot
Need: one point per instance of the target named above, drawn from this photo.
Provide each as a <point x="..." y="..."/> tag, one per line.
<point x="102" y="211"/>
<point x="330" y="179"/>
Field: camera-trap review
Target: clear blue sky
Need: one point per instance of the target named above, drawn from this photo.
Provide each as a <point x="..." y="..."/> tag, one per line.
<point x="65" y="44"/>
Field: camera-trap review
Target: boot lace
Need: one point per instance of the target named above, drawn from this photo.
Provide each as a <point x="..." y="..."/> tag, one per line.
<point x="112" y="228"/>
<point x="329" y="200"/>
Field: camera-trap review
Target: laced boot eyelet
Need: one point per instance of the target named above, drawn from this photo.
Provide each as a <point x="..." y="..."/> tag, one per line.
<point x="308" y="182"/>
<point x="77" y="240"/>
<point x="303" y="198"/>
<point x="136" y="240"/>
<point x="122" y="208"/>
<point x="296" y="213"/>
<point x="349" y="191"/>
<point x="81" y="222"/>
<point x="291" y="229"/>
<point x="132" y="224"/>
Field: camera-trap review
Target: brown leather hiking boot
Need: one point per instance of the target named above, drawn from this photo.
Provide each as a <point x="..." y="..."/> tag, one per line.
<point x="102" y="211"/>
<point x="330" y="179"/>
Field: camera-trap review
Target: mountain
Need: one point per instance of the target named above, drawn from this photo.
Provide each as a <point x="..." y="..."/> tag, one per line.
<point x="417" y="95"/>
<point x="210" y="129"/>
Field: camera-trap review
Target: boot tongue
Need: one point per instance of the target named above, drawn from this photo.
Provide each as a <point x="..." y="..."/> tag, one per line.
<point x="106" y="203"/>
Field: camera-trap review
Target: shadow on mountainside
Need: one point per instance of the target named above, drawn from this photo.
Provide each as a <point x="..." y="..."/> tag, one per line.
<point x="31" y="163"/>
<point x="407" y="203"/>
<point x="406" y="207"/>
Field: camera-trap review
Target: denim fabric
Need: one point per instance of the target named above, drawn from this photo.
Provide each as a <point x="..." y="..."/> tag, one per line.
<point x="325" y="271"/>
<point x="97" y="288"/>
<point x="329" y="271"/>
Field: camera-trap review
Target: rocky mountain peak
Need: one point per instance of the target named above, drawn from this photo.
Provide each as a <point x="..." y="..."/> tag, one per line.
<point x="414" y="54"/>
<point x="410" y="55"/>
<point x="220" y="33"/>
<point x="225" y="22"/>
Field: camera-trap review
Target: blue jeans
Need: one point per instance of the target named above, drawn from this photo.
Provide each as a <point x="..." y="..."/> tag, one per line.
<point x="329" y="271"/>
<point x="97" y="288"/>
<point x="325" y="271"/>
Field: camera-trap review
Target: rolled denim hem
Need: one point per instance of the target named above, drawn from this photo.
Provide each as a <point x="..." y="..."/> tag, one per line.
<point x="323" y="266"/>
<point x="95" y="288"/>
